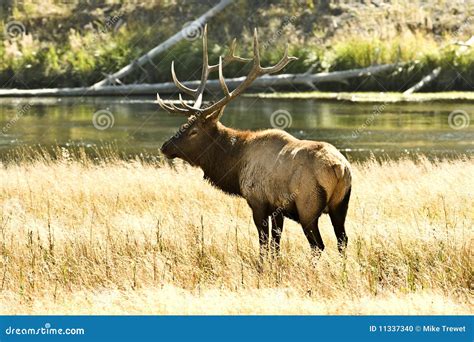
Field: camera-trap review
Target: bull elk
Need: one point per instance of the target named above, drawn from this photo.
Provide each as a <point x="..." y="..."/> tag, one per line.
<point x="278" y="175"/>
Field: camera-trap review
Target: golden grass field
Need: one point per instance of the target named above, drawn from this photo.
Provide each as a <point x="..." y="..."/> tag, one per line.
<point x="118" y="237"/>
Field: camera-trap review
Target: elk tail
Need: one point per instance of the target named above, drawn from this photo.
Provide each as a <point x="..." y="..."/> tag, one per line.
<point x="343" y="185"/>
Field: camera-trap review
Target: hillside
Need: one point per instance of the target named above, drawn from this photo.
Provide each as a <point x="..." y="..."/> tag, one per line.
<point x="51" y="45"/>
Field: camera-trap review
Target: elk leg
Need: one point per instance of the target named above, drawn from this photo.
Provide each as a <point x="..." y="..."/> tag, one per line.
<point x="311" y="231"/>
<point x="277" y="230"/>
<point x="310" y="209"/>
<point x="260" y="218"/>
<point x="338" y="217"/>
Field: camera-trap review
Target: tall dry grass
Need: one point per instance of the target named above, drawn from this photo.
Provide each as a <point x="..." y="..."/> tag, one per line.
<point x="132" y="237"/>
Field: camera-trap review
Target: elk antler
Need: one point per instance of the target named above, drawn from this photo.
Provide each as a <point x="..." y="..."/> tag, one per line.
<point x="256" y="71"/>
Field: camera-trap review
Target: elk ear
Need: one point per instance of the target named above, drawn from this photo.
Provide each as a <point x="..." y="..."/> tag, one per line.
<point x="215" y="116"/>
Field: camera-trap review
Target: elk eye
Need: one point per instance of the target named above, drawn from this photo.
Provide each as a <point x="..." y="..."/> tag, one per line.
<point x="193" y="132"/>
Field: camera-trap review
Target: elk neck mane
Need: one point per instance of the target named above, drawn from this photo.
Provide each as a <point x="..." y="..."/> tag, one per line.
<point x="223" y="159"/>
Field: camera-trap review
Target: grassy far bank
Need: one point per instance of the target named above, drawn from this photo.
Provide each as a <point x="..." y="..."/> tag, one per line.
<point x="73" y="45"/>
<point x="369" y="96"/>
<point x="79" y="237"/>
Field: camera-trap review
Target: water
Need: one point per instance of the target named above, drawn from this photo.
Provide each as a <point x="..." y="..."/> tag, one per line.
<point x="359" y="130"/>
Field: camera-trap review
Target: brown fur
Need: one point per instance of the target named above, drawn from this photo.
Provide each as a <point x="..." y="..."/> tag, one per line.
<point x="276" y="173"/>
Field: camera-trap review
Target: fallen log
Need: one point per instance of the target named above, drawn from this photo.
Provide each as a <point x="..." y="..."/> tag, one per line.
<point x="197" y="24"/>
<point x="464" y="47"/>
<point x="211" y="85"/>
<point x="424" y="81"/>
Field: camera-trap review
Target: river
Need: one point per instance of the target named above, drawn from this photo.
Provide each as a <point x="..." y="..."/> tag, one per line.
<point x="136" y="125"/>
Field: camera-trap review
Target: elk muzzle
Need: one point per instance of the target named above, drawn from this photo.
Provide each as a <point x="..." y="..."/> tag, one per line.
<point x="169" y="149"/>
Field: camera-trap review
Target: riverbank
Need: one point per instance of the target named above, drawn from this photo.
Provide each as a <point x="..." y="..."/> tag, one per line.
<point x="388" y="97"/>
<point x="113" y="237"/>
<point x="45" y="96"/>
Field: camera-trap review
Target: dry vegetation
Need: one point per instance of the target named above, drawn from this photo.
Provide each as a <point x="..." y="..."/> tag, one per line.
<point x="118" y="237"/>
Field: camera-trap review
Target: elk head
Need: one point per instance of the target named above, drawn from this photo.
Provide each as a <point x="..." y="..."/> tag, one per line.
<point x="201" y="128"/>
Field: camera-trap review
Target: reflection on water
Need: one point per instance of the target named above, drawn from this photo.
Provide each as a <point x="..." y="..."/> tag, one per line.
<point x="139" y="126"/>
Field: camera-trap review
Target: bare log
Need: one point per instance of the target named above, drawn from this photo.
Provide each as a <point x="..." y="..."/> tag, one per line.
<point x="212" y="85"/>
<point x="176" y="38"/>
<point x="424" y="81"/>
<point x="464" y="47"/>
